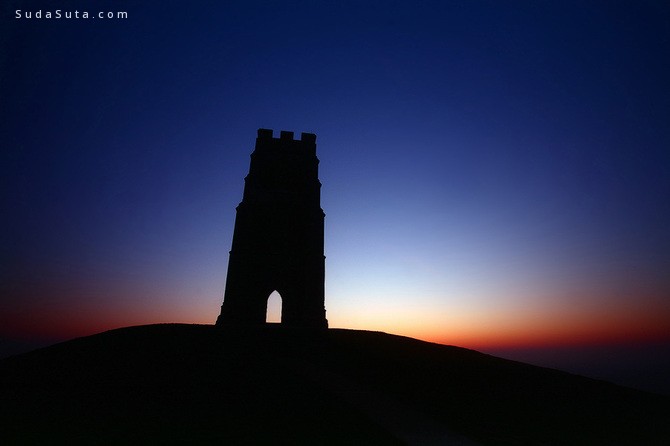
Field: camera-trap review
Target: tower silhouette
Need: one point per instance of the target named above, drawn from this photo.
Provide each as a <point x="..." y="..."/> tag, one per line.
<point x="278" y="237"/>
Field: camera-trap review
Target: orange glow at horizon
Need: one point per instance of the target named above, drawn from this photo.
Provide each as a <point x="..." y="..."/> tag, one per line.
<point x="542" y="332"/>
<point x="64" y="310"/>
<point x="93" y="308"/>
<point x="542" y="325"/>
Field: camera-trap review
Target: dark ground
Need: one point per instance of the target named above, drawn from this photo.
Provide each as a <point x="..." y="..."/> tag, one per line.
<point x="194" y="384"/>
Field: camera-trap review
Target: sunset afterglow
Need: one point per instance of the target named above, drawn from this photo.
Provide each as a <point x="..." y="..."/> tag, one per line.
<point x="494" y="175"/>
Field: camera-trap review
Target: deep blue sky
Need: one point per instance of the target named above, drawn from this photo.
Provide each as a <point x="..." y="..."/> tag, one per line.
<point x="494" y="173"/>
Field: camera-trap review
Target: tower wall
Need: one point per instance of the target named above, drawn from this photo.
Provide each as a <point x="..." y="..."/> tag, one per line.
<point x="278" y="241"/>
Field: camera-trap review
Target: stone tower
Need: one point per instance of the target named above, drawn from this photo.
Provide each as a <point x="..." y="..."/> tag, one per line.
<point x="278" y="238"/>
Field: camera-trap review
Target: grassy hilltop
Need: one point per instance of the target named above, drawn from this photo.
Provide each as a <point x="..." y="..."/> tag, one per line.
<point x="195" y="384"/>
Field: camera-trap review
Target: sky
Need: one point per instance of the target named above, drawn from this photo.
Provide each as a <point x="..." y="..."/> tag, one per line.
<point x="495" y="174"/>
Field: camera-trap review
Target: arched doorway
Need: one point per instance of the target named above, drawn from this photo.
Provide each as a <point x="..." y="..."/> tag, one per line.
<point x="273" y="314"/>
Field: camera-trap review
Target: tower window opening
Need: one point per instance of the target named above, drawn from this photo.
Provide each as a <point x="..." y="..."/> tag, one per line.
<point x="273" y="314"/>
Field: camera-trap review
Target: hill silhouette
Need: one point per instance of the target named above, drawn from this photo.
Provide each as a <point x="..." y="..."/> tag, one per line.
<point x="195" y="384"/>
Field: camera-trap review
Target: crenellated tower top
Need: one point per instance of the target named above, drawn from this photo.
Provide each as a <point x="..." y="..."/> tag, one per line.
<point x="266" y="139"/>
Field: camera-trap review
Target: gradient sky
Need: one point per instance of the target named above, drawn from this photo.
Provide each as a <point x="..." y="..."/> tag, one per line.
<point x="495" y="174"/>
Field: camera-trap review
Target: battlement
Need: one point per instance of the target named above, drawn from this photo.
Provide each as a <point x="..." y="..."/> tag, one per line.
<point x="307" y="138"/>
